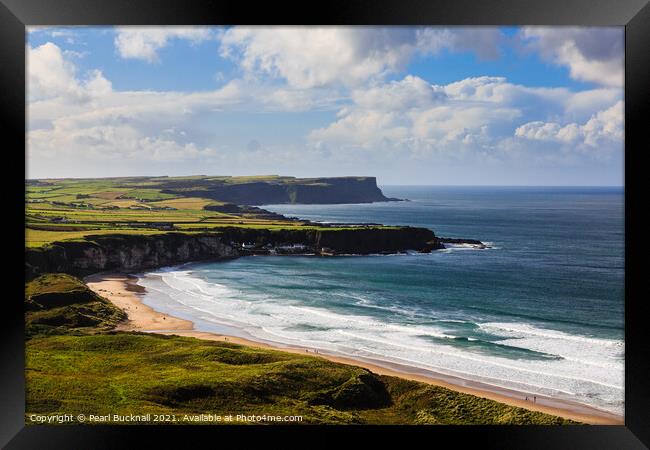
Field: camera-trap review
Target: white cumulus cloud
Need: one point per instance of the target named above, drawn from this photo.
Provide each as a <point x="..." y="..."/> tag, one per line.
<point x="84" y="120"/>
<point x="603" y="129"/>
<point x="591" y="54"/>
<point x="50" y="74"/>
<point x="316" y="56"/>
<point x="370" y="113"/>
<point x="144" y="42"/>
<point x="319" y="56"/>
<point x="479" y="115"/>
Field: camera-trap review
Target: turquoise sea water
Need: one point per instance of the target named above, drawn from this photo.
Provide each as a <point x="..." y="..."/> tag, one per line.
<point x="542" y="311"/>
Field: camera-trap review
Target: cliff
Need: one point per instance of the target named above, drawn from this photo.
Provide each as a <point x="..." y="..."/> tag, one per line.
<point x="284" y="190"/>
<point x="361" y="241"/>
<point x="124" y="252"/>
<point x="137" y="252"/>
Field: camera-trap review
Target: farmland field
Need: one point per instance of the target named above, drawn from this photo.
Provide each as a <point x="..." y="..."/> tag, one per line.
<point x="72" y="209"/>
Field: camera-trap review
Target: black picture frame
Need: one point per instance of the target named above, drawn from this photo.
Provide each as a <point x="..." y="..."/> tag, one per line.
<point x="633" y="14"/>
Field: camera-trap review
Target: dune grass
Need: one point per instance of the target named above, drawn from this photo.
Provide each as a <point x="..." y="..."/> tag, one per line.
<point x="61" y="304"/>
<point x="126" y="373"/>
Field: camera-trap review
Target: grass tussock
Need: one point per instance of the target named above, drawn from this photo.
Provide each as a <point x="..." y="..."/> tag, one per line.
<point x="60" y="303"/>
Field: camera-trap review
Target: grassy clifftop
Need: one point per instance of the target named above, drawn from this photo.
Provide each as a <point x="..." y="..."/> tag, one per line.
<point x="58" y="303"/>
<point x="69" y="209"/>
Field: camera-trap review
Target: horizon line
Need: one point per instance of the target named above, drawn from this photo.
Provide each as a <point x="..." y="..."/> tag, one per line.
<point x="509" y="185"/>
<point x="337" y="176"/>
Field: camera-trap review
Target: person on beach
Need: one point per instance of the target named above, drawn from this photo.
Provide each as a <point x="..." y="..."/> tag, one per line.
<point x="526" y="398"/>
<point x="534" y="399"/>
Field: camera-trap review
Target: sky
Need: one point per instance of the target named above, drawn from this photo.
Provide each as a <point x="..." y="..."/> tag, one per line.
<point x="409" y="105"/>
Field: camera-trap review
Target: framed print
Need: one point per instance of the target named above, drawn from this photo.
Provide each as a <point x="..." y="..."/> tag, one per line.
<point x="359" y="217"/>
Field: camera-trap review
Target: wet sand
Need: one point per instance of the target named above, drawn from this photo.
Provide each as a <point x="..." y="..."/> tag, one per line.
<point x="123" y="291"/>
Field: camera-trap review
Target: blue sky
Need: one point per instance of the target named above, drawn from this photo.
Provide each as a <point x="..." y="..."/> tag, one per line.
<point x="477" y="105"/>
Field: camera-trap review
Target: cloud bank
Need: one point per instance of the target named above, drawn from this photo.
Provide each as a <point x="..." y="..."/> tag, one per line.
<point x="591" y="54"/>
<point x="374" y="113"/>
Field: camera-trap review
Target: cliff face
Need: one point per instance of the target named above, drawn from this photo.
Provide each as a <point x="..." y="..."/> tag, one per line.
<point x="360" y="241"/>
<point x="133" y="252"/>
<point x="125" y="252"/>
<point x="337" y="190"/>
<point x="311" y="191"/>
<point x="378" y="240"/>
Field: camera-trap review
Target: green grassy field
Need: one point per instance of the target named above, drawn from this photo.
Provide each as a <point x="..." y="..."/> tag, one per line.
<point x="72" y="209"/>
<point x="126" y="373"/>
<point x="76" y="365"/>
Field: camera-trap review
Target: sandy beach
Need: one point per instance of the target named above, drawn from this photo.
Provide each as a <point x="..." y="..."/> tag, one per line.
<point x="123" y="291"/>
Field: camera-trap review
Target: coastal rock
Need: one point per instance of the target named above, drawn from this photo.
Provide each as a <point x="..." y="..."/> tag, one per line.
<point x="125" y="252"/>
<point x="353" y="241"/>
<point x="286" y="190"/>
<point x="137" y="252"/>
<point x="377" y="240"/>
<point x="461" y="241"/>
<point x="446" y="240"/>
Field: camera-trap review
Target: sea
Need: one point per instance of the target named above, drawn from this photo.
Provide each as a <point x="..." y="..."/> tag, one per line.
<point x="540" y="311"/>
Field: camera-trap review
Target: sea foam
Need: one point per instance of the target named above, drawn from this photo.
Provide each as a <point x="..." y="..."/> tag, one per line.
<point x="584" y="369"/>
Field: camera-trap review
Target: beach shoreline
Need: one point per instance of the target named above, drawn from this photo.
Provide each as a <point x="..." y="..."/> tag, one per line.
<point x="124" y="292"/>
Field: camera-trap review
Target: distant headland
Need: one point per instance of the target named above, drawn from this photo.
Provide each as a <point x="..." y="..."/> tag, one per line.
<point x="257" y="190"/>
